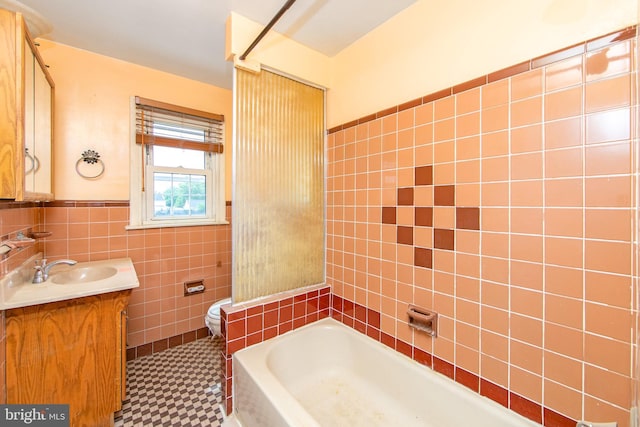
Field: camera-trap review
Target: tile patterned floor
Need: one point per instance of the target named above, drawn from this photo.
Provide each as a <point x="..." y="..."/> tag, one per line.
<point x="179" y="386"/>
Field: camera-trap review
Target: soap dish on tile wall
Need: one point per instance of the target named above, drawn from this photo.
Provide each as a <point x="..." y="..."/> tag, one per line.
<point x="423" y="320"/>
<point x="17" y="242"/>
<point x="40" y="234"/>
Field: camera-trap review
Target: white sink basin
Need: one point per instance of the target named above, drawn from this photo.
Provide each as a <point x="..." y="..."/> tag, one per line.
<point x="83" y="274"/>
<point x="66" y="282"/>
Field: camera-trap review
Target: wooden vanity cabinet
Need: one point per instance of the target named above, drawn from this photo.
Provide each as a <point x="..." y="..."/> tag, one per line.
<point x="26" y="112"/>
<point x="69" y="352"/>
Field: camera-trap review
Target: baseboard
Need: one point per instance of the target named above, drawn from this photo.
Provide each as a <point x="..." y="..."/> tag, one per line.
<point x="165" y="343"/>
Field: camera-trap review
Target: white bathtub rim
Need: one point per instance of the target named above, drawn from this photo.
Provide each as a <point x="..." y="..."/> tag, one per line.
<point x="296" y="414"/>
<point x="277" y="394"/>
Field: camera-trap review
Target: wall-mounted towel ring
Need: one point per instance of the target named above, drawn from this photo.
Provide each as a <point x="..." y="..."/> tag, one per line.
<point x="90" y="157"/>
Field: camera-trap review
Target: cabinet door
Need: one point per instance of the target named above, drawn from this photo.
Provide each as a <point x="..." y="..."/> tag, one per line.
<point x="31" y="161"/>
<point x="68" y="352"/>
<point x="10" y="158"/>
<point x="26" y="94"/>
<point x="123" y="356"/>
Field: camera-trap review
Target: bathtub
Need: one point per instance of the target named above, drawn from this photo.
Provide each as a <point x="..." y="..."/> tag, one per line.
<point x="327" y="374"/>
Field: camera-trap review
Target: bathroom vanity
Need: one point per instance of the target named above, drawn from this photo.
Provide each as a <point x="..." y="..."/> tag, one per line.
<point x="72" y="349"/>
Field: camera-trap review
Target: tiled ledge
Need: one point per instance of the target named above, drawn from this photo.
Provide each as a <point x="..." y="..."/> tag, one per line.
<point x="258" y="320"/>
<point x="532" y="64"/>
<point x="249" y="323"/>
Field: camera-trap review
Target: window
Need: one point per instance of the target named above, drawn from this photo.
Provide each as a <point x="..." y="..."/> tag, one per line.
<point x="177" y="166"/>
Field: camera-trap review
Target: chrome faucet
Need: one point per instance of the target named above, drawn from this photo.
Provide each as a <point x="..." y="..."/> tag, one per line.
<point x="42" y="268"/>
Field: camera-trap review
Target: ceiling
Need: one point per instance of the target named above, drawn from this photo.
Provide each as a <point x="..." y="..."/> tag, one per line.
<point x="187" y="37"/>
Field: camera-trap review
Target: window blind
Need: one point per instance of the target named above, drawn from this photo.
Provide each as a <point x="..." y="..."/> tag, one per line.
<point x="159" y="123"/>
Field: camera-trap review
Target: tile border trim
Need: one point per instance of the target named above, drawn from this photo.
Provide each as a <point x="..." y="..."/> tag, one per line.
<point x="86" y="203"/>
<point x="531" y="64"/>
<point x="75" y="204"/>
<point x="10" y="204"/>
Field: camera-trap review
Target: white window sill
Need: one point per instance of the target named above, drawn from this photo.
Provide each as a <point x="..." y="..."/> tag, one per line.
<point x="191" y="223"/>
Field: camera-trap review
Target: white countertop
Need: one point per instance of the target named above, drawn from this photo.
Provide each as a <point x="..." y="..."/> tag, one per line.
<point x="16" y="289"/>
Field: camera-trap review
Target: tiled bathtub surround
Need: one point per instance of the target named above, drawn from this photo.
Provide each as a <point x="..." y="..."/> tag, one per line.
<point x="255" y="321"/>
<point x="367" y="321"/>
<point x="250" y="324"/>
<point x="506" y="205"/>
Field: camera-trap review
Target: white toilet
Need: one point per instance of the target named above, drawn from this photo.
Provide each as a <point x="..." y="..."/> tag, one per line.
<point x="212" y="320"/>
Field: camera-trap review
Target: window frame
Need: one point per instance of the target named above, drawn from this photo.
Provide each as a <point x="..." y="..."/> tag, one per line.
<point x="151" y="169"/>
<point x="141" y="200"/>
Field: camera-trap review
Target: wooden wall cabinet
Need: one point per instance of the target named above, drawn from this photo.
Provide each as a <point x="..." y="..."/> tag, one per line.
<point x="26" y="112"/>
<point x="69" y="352"/>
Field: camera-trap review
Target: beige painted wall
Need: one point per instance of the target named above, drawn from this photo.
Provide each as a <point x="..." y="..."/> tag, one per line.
<point x="434" y="45"/>
<point x="275" y="51"/>
<point x="92" y="111"/>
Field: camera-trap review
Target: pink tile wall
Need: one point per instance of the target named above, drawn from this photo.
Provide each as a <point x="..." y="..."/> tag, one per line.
<point x="164" y="258"/>
<point x="18" y="217"/>
<point x="506" y="205"/>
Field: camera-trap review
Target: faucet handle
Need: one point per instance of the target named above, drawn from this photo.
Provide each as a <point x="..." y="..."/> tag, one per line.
<point x="38" y="276"/>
